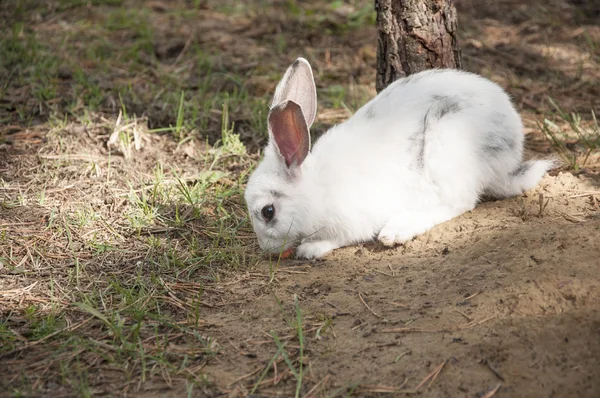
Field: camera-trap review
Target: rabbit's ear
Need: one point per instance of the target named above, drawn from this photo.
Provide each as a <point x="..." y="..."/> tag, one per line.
<point x="298" y="85"/>
<point x="288" y="130"/>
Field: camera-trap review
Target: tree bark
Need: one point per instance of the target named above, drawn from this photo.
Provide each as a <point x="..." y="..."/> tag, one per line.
<point x="414" y="35"/>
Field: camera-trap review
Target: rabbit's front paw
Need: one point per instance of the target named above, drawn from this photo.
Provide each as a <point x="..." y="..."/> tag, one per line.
<point x="397" y="230"/>
<point x="310" y="250"/>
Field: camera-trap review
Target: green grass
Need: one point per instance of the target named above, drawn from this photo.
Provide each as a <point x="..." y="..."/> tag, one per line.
<point x="25" y="62"/>
<point x="173" y="227"/>
<point x="115" y="255"/>
<point x="328" y="18"/>
<point x="131" y="325"/>
<point x="102" y="61"/>
<point x="576" y="140"/>
<point x="296" y="370"/>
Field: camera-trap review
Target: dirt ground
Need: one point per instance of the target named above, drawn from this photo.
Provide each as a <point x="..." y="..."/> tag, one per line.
<point x="501" y="296"/>
<point x="502" y="301"/>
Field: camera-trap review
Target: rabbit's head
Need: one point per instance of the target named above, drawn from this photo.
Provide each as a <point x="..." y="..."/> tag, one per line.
<point x="276" y="203"/>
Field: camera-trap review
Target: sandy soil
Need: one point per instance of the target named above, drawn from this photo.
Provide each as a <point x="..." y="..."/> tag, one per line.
<point x="503" y="295"/>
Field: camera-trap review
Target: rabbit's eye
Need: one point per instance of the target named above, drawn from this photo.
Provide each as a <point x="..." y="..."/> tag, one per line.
<point x="268" y="212"/>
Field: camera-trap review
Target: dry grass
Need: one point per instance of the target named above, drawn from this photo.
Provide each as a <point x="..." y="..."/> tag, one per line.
<point x="127" y="129"/>
<point x="134" y="243"/>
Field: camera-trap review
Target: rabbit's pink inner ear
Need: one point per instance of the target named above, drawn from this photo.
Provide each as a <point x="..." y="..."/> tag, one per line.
<point x="290" y="132"/>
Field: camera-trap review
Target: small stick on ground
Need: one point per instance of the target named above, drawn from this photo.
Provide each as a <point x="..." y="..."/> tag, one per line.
<point x="273" y="380"/>
<point x="473" y="295"/>
<point x="246" y="376"/>
<point x="291" y="271"/>
<point x="470" y="325"/>
<point x="185" y="48"/>
<point x="385" y="389"/>
<point x="394" y="343"/>
<point x="591" y="193"/>
<point x="399" y="357"/>
<point x="360" y="325"/>
<point x="436" y="375"/>
<point x="473" y="324"/>
<point x="415" y="330"/>
<point x="431" y="375"/>
<point x="469" y="319"/>
<point x="316" y="387"/>
<point x="382" y="273"/>
<point x="491" y="393"/>
<point x="543" y="204"/>
<point x="391" y="269"/>
<point x="367" y="305"/>
<point x="494" y="371"/>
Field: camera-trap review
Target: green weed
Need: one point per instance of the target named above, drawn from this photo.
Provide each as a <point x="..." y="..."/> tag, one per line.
<point x="573" y="138"/>
<point x="297" y="371"/>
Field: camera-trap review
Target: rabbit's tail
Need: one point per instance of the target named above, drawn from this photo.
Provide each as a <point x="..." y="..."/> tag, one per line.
<point x="524" y="177"/>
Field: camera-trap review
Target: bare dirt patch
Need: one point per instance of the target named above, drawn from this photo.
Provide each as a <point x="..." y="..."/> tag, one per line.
<point x="505" y="296"/>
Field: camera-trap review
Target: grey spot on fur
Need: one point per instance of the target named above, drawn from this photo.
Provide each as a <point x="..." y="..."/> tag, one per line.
<point x="370" y="112"/>
<point x="442" y="106"/>
<point x="418" y="138"/>
<point x="277" y="194"/>
<point x="499" y="120"/>
<point x="500" y="139"/>
<point x="521" y="170"/>
<point x="295" y="64"/>
<point x="496" y="144"/>
<point x="446" y="105"/>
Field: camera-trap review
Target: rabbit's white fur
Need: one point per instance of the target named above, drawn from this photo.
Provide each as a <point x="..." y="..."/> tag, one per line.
<point x="420" y="153"/>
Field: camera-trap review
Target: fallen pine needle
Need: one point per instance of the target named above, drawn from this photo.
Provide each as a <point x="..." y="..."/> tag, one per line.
<point x="292" y="272"/>
<point x="473" y="324"/>
<point x="431" y="376"/>
<point x="415" y="330"/>
<point x="385" y="389"/>
<point x="491" y="393"/>
<point x="391" y="269"/>
<point x="367" y="305"/>
<point x="491" y="368"/>
<point x="585" y="194"/>
<point x="465" y="315"/>
<point x="360" y="325"/>
<point x="469" y="325"/>
<point x="246" y="376"/>
<point x="399" y="390"/>
<point x="473" y="295"/>
<point x="316" y="387"/>
<point x="383" y="273"/>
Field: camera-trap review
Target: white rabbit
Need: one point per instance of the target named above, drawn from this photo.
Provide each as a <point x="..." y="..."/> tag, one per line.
<point x="420" y="153"/>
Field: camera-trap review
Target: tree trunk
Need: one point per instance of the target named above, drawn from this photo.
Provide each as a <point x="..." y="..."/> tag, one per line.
<point x="415" y="35"/>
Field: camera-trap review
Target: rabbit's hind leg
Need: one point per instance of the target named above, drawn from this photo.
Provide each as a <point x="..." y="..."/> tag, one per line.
<point x="406" y="225"/>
